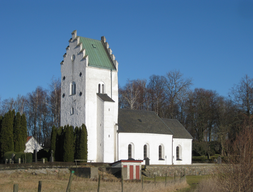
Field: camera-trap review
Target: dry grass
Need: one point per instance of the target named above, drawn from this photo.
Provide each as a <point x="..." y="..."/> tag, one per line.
<point x="58" y="182"/>
<point x="208" y="185"/>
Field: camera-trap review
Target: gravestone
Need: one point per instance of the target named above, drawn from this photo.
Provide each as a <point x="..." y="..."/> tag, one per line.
<point x="35" y="156"/>
<point x="219" y="160"/>
<point x="52" y="156"/>
<point x="146" y="161"/>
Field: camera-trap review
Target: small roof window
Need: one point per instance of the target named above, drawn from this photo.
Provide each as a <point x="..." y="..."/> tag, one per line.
<point x="94" y="46"/>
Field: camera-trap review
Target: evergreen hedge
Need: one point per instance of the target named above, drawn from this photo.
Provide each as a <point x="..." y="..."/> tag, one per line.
<point x="21" y="155"/>
<point x="77" y="143"/>
<point x="6" y="134"/>
<point x="23" y="132"/>
<point x="53" y="140"/>
<point x="17" y="135"/>
<point x="13" y="132"/>
<point x="83" y="143"/>
<point x="69" y="143"/>
<point x="59" y="144"/>
<point x="28" y="157"/>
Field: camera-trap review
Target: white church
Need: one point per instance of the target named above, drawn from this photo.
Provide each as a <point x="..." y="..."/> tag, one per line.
<point x="89" y="88"/>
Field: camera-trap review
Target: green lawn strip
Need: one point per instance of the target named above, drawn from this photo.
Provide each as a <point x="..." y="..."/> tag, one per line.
<point x="158" y="179"/>
<point x="193" y="181"/>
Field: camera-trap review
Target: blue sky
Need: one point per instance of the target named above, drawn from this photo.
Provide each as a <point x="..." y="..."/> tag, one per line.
<point x="208" y="41"/>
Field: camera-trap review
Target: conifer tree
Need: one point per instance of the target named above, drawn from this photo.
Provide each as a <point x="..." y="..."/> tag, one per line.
<point x="0" y="134"/>
<point x="23" y="132"/>
<point x="68" y="146"/>
<point x="59" y="144"/>
<point x="17" y="135"/>
<point x="77" y="143"/>
<point x="6" y="135"/>
<point x="83" y="142"/>
<point x="53" y="140"/>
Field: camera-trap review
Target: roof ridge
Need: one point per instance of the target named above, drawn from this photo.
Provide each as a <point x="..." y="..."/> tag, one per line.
<point x="167" y="126"/>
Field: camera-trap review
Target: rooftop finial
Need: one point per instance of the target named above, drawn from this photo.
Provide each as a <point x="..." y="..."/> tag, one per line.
<point x="74" y="34"/>
<point x="103" y="39"/>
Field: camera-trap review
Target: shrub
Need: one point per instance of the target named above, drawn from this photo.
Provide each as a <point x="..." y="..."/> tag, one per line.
<point x="8" y="155"/>
<point x="68" y="145"/>
<point x="28" y="157"/>
<point x="19" y="155"/>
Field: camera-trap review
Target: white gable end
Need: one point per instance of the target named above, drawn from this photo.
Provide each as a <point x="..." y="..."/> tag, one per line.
<point x="32" y="145"/>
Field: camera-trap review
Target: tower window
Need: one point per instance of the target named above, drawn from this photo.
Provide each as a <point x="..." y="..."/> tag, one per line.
<point x="72" y="111"/>
<point x="101" y="88"/>
<point x="72" y="88"/>
<point x="63" y="78"/>
<point x="73" y="58"/>
<point x="98" y="88"/>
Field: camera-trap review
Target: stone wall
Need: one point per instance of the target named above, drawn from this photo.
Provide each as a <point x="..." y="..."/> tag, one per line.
<point x="179" y="170"/>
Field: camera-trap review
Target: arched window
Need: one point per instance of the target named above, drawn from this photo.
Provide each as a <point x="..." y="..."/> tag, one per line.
<point x="73" y="58"/>
<point x="161" y="152"/>
<point x="129" y="151"/>
<point x="179" y="153"/>
<point x="145" y="151"/>
<point x="72" y="88"/>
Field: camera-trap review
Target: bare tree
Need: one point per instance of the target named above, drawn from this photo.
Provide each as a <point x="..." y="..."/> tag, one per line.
<point x="242" y="95"/>
<point x="224" y="123"/>
<point x="156" y="94"/>
<point x="132" y="93"/>
<point x="38" y="114"/>
<point x="237" y="174"/>
<point x="54" y="101"/>
<point x="142" y="97"/>
<point x="200" y="110"/>
<point x="20" y="104"/>
<point x="1" y="107"/>
<point x="7" y="105"/>
<point x="176" y="89"/>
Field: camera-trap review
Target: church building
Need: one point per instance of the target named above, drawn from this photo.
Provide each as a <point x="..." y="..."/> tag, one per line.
<point x="89" y="88"/>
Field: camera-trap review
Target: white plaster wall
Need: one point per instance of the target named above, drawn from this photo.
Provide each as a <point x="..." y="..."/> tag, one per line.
<point x="152" y="140"/>
<point x="186" y="146"/>
<point x="85" y="106"/>
<point x="100" y="130"/>
<point x="72" y="73"/>
<point x="32" y="145"/>
<point x="109" y="136"/>
<point x="94" y="76"/>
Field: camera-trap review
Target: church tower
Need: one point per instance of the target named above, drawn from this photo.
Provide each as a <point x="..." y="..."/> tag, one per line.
<point x="89" y="88"/>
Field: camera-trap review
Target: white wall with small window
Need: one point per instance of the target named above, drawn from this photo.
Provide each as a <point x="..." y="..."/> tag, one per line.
<point x="72" y="88"/>
<point x="146" y="144"/>
<point x="182" y="150"/>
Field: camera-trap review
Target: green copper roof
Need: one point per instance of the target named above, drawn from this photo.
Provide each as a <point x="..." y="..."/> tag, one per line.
<point x="98" y="56"/>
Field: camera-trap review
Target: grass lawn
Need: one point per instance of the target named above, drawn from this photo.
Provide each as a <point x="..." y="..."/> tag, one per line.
<point x="57" y="180"/>
<point x="193" y="181"/>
